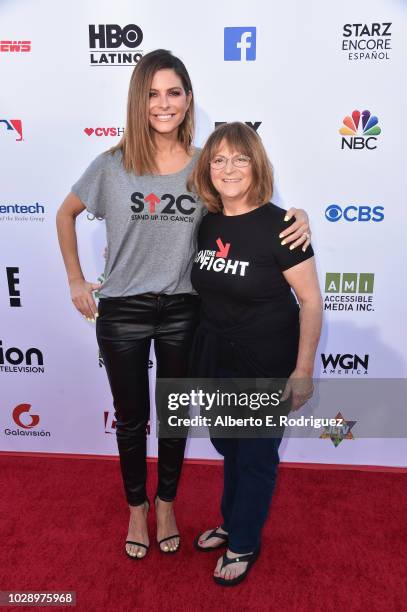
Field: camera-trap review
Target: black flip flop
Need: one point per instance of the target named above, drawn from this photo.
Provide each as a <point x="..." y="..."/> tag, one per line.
<point x="213" y="534"/>
<point x="250" y="559"/>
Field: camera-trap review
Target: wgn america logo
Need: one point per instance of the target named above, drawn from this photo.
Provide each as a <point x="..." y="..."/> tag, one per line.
<point x="14" y="128"/>
<point x="240" y="44"/>
<point x="366" y="125"/>
<point x="338" y="433"/>
<point x="362" y="41"/>
<point x="252" y="124"/>
<point x="27" y="423"/>
<point x="349" y="291"/>
<point x="110" y="423"/>
<point x="104" y="131"/>
<point x="16" y="360"/>
<point x="15" y="46"/>
<point x="112" y="45"/>
<point x="22" y="212"/>
<point x="347" y="364"/>
<point x="351" y="213"/>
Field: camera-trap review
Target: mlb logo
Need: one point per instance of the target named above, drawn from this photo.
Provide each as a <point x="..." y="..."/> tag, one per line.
<point x="240" y="44"/>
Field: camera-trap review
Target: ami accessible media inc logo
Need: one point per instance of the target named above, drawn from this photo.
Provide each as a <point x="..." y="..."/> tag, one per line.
<point x="351" y="213"/>
<point x="367" y="41"/>
<point x="15" y="126"/>
<point x="349" y="291"/>
<point x="113" y="45"/>
<point x="359" y="131"/>
<point x="15" y="46"/>
<point x="240" y="44"/>
<point x="26" y="422"/>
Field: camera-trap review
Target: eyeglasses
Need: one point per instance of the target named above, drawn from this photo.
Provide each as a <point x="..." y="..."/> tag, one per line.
<point x="239" y="161"/>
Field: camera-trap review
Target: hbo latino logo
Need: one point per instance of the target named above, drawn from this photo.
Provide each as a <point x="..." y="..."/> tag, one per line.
<point x="111" y="45"/>
<point x="359" y="131"/>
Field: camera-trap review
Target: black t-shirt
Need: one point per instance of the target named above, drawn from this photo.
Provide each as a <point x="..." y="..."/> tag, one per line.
<point x="246" y="301"/>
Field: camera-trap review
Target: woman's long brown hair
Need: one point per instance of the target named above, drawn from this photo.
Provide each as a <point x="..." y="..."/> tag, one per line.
<point x="137" y="144"/>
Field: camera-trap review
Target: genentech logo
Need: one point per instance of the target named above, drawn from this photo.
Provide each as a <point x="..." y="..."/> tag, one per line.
<point x="112" y="45"/>
<point x="364" y="124"/>
<point x="15" y="46"/>
<point x="341" y="432"/>
<point x="363" y="41"/>
<point x="218" y="260"/>
<point x="22" y="212"/>
<point x="14" y="125"/>
<point x="349" y="291"/>
<point x="252" y="124"/>
<point x="26" y="422"/>
<point x="14" y="359"/>
<point x="104" y="131"/>
<point x="347" y="364"/>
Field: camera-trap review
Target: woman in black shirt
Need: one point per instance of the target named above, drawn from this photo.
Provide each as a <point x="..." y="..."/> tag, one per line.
<point x="251" y="325"/>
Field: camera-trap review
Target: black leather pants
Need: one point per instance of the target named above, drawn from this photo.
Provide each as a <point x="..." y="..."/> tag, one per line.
<point x="125" y="327"/>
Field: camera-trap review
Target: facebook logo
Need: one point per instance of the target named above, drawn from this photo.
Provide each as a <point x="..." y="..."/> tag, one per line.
<point x="240" y="44"/>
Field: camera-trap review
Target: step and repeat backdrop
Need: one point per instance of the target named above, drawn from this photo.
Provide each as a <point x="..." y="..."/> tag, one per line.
<point x="321" y="83"/>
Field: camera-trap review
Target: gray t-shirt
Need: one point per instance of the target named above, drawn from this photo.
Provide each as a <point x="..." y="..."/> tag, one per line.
<point x="151" y="226"/>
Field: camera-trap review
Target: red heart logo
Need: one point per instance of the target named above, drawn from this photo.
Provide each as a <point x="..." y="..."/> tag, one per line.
<point x="88" y="131"/>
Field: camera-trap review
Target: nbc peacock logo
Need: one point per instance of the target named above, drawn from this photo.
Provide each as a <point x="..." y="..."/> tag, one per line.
<point x="360" y="131"/>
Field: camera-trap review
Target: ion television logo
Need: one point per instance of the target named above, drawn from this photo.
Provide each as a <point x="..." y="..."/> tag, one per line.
<point x="363" y="123"/>
<point x="26" y="422"/>
<point x="349" y="291"/>
<point x="16" y="360"/>
<point x="240" y="44"/>
<point x="363" y="41"/>
<point x="334" y="212"/>
<point x="112" y="45"/>
<point x="15" y="127"/>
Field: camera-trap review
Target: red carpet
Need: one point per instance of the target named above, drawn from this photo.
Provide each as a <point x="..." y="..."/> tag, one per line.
<point x="334" y="540"/>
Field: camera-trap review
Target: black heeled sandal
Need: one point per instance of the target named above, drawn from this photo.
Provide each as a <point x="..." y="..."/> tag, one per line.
<point x="176" y="535"/>
<point x="213" y="534"/>
<point x="250" y="559"/>
<point x="135" y="557"/>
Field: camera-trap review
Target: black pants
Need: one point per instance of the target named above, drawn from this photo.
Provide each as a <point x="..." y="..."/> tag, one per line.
<point x="124" y="329"/>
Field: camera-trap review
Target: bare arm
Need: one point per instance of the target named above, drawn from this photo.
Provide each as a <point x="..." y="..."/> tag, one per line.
<point x="81" y="290"/>
<point x="303" y="279"/>
<point x="299" y="233"/>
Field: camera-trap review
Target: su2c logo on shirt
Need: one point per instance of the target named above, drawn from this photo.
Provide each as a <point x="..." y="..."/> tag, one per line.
<point x="166" y="208"/>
